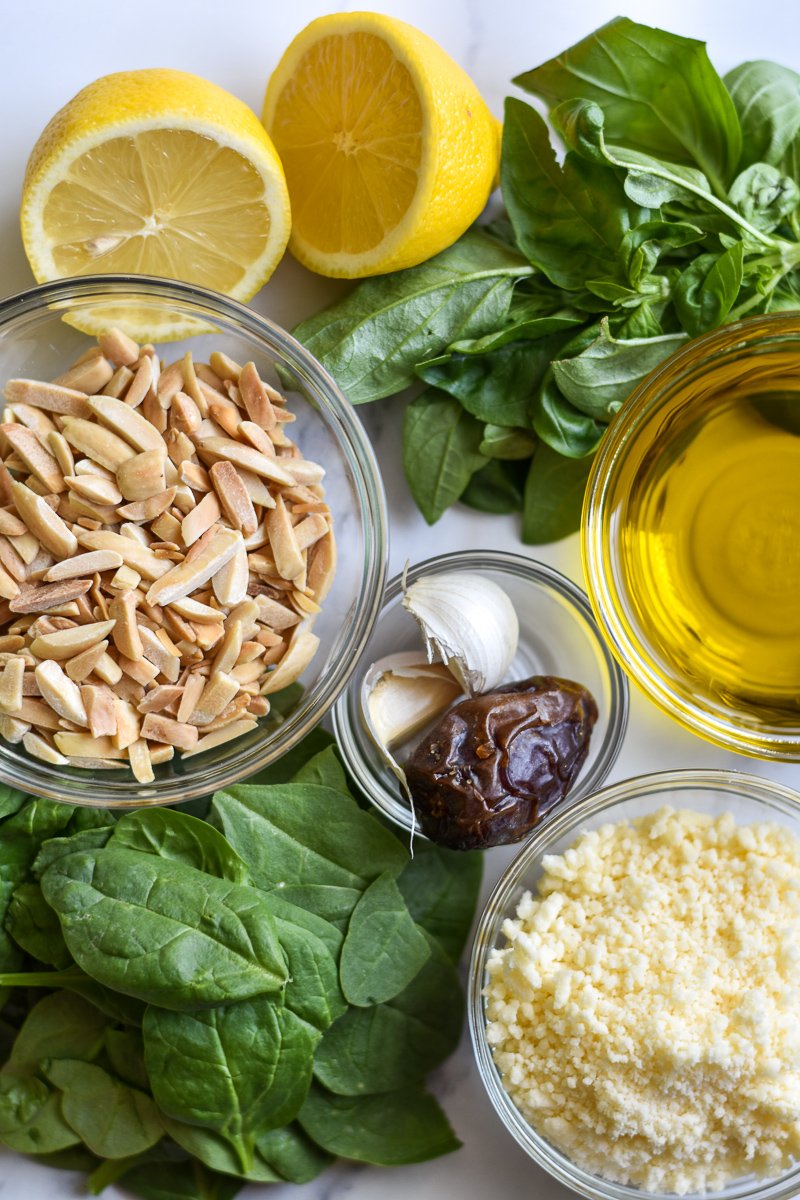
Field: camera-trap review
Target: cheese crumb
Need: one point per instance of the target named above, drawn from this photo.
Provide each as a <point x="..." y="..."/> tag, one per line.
<point x="643" y="1014"/>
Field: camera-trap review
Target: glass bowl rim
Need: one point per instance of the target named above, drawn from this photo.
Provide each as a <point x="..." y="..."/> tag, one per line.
<point x="534" y="571"/>
<point x="623" y="639"/>
<point x="362" y="467"/>
<point x="498" y="906"/>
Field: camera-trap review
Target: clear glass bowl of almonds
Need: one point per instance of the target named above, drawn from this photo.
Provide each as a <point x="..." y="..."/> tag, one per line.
<point x="171" y="616"/>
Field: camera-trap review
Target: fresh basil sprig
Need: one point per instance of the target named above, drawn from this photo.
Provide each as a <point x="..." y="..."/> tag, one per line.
<point x="675" y="208"/>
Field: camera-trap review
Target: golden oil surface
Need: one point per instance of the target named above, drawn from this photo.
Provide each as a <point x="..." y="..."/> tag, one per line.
<point x="710" y="539"/>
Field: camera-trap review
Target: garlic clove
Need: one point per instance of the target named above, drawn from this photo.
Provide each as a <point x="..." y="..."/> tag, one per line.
<point x="403" y="693"/>
<point x="468" y="623"/>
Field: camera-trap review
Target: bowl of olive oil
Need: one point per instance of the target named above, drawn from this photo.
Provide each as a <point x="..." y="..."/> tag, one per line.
<point x="691" y="536"/>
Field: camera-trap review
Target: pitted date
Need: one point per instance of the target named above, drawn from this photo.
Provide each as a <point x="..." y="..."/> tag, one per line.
<point x="495" y="764"/>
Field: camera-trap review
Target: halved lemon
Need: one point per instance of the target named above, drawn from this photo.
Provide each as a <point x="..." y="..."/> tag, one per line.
<point x="156" y="172"/>
<point x="390" y="152"/>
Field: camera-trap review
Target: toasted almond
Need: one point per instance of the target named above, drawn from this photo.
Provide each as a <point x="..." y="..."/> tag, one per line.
<point x="84" y="564"/>
<point x="13" y="730"/>
<point x="31" y="418"/>
<point x="143" y="475"/>
<point x="88" y="376"/>
<point x="37" y="713"/>
<point x="85" y="466"/>
<point x="288" y="558"/>
<point x="10" y="524"/>
<point x="157" y="728"/>
<point x="41" y="749"/>
<point x="81" y="666"/>
<point x="67" y="643"/>
<point x="247" y="672"/>
<point x="217" y="693"/>
<point x="224" y="366"/>
<point x="106" y="669"/>
<point x="310" y="530"/>
<point x="9" y="588"/>
<point x="231" y="581"/>
<point x="302" y="649"/>
<point x="226" y="416"/>
<point x="219" y="736"/>
<point x="194" y="476"/>
<point x="123" y="579"/>
<point x="191" y="694"/>
<point x="170" y="383"/>
<point x="193" y="610"/>
<point x="99" y="444"/>
<point x="306" y="472"/>
<point x="36" y="458"/>
<point x="125" y="631"/>
<point x="232" y="712"/>
<point x="166" y="527"/>
<point x="254" y="397"/>
<point x="186" y="415"/>
<point x="257" y="438"/>
<point x="118" y="384"/>
<point x="49" y="597"/>
<point x="322" y="566"/>
<point x="229" y="649"/>
<point x="256" y="489"/>
<point x="49" y="396"/>
<point x="132" y="553"/>
<point x="201" y="518"/>
<point x="83" y="745"/>
<point x="249" y="652"/>
<point x="45" y="525"/>
<point x="26" y="547"/>
<point x="140" y="761"/>
<point x="140" y="384"/>
<point x="60" y="692"/>
<point x="11" y="685"/>
<point x="94" y="489"/>
<point x="138" y="669"/>
<point x="10" y="643"/>
<point x="101" y="710"/>
<point x="154" y="650"/>
<point x="127" y="422"/>
<point x="185" y="578"/>
<point x="128" y="723"/>
<point x="120" y="348"/>
<point x="207" y="635"/>
<point x="233" y="497"/>
<point x="160" y="754"/>
<point x="247" y="458"/>
<point x="160" y="697"/>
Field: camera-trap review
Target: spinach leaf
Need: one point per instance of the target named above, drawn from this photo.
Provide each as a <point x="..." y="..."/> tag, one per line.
<point x="500" y="441"/>
<point x="707" y="289"/>
<point x="764" y="196"/>
<point x="216" y="1152"/>
<point x="599" y="380"/>
<point x="496" y="488"/>
<point x="372" y="339"/>
<point x="440" y="888"/>
<point x="495" y="386"/>
<point x="333" y="904"/>
<point x="312" y="949"/>
<point x="561" y="425"/>
<point x="114" y="1120"/>
<point x="305" y="834"/>
<point x="293" y="1155"/>
<point x="60" y="1025"/>
<point x="11" y="801"/>
<point x="164" y="932"/>
<point x="288" y="765"/>
<point x="175" y="1181"/>
<point x="257" y="1058"/>
<point x="659" y="92"/>
<point x="396" y="1044"/>
<point x="440" y="451"/>
<point x="326" y="769"/>
<point x="31" y="1120"/>
<point x="177" y="836"/>
<point x="383" y="949"/>
<point x="58" y="847"/>
<point x="569" y="219"/>
<point x="766" y="97"/>
<point x="553" y="495"/>
<point x="398" y="1127"/>
<point x="125" y="1050"/>
<point x="34" y="926"/>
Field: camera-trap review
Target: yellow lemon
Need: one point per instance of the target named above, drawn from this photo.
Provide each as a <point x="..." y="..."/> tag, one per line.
<point x="156" y="172"/>
<point x="389" y="150"/>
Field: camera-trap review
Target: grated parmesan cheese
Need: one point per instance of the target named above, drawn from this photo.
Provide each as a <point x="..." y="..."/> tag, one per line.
<point x="643" y="1015"/>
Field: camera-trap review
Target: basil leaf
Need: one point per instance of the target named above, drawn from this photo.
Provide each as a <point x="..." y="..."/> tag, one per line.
<point x="175" y="835"/>
<point x="388" y="1130"/>
<point x="372" y="339"/>
<point x="383" y="949"/>
<point x="659" y="92"/>
<point x="256" y="1067"/>
<point x="707" y="289"/>
<point x="523" y="327"/>
<point x="569" y="220"/>
<point x="292" y="1154"/>
<point x="60" y="1025"/>
<point x="553" y="495"/>
<point x="496" y="488"/>
<point x="305" y="834"/>
<point x="396" y="1044"/>
<point x="34" y="926"/>
<point x="764" y="196"/>
<point x="495" y="386"/>
<point x="599" y="380"/>
<point x="441" y="888"/>
<point x="766" y="97"/>
<point x="643" y="246"/>
<point x="164" y="932"/>
<point x="440" y="451"/>
<point x="501" y="442"/>
<point x="31" y="1121"/>
<point x="112" y="1119"/>
<point x="563" y="427"/>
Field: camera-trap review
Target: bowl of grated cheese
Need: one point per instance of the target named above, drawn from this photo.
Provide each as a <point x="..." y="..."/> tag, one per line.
<point x="634" y="986"/>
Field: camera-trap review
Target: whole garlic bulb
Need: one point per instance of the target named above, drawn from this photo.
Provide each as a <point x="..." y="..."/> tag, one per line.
<point x="469" y="623"/>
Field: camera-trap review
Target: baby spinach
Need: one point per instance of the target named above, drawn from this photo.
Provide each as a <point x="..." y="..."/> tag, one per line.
<point x="178" y="836"/>
<point x="31" y="1120"/>
<point x="383" y="949"/>
<point x="34" y="926"/>
<point x="217" y="1153"/>
<point x="291" y="1153"/>
<point x="112" y="1119"/>
<point x="440" y="451"/>
<point x="60" y="1025"/>
<point x="440" y="888"/>
<point x="125" y="1050"/>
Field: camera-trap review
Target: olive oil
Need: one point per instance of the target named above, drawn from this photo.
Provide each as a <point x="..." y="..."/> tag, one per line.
<point x="710" y="538"/>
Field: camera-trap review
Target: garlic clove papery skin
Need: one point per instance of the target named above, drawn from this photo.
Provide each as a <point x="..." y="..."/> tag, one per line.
<point x="469" y="623"/>
<point x="403" y="693"/>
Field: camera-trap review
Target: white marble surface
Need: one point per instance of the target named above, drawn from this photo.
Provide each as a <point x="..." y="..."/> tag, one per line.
<point x="51" y="48"/>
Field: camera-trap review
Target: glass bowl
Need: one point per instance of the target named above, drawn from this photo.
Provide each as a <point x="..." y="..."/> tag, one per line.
<point x="691" y="534"/>
<point x="749" y="799"/>
<point x="557" y="636"/>
<point x="40" y="337"/>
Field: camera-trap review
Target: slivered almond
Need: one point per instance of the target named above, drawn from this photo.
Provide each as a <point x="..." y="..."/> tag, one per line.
<point x="192" y="691"/>
<point x="257" y="438"/>
<point x="49" y="396"/>
<point x="160" y="697"/>
<point x="138" y="669"/>
<point x="31" y="418"/>
<point x="83" y="745"/>
<point x="106" y="669"/>
<point x="84" y="466"/>
<point x="10" y="525"/>
<point x="233" y="497"/>
<point x="185" y="413"/>
<point x="133" y="554"/>
<point x="67" y="643"/>
<point x="288" y="558"/>
<point x="45" y="525"/>
<point x="120" y="348"/>
<point x="200" y="519"/>
<point x="58" y="690"/>
<point x="166" y="527"/>
<point x="231" y="581"/>
<point x="256" y="489"/>
<point x="208" y="635"/>
<point x="254" y="397"/>
<point x="169" y="383"/>
<point x="94" y="489"/>
<point x="128" y="724"/>
<point x="125" y="631"/>
<point x="219" y="736"/>
<point x="97" y="443"/>
<point x="13" y="730"/>
<point x="140" y="384"/>
<point x="195" y="611"/>
<point x="186" y="577"/>
<point x="118" y="383"/>
<point x="194" y="476"/>
<point x="310" y="530"/>
<point x="322" y="566"/>
<point x="224" y="366"/>
<point x="157" y="728"/>
<point x="146" y="510"/>
<point x="88" y="376"/>
<point x="101" y="711"/>
<point x="49" y="596"/>
<point x="247" y="672"/>
<point x="84" y="564"/>
<point x="229" y="649"/>
<point x="154" y="650"/>
<point x="301" y="650"/>
<point x="123" y="579"/>
<point x="226" y="416"/>
<point x="37" y="459"/>
<point x="9" y="588"/>
<point x="140" y="761"/>
<point x="247" y="458"/>
<point x="127" y="422"/>
<point x="10" y="643"/>
<point x="41" y="749"/>
<point x="11" y="685"/>
<point x="26" y="547"/>
<point x="249" y="651"/>
<point x="160" y="754"/>
<point x="143" y="475"/>
<point x="306" y="472"/>
<point x="129" y="529"/>
<point x="81" y="666"/>
<point x="38" y="713"/>
<point x="218" y="692"/>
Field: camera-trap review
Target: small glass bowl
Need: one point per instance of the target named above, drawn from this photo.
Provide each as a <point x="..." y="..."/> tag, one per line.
<point x="39" y="338"/>
<point x="645" y="448"/>
<point x="557" y="636"/>
<point x="750" y="800"/>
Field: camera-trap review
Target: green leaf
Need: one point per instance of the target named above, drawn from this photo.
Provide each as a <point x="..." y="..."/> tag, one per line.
<point x="11" y="801"/>
<point x="60" y="1025"/>
<point x="569" y="219"/>
<point x="562" y="426"/>
<point x="288" y="765"/>
<point x="312" y="948"/>
<point x="31" y="1121"/>
<point x="553" y="496"/>
<point x="383" y="949"/>
<point x="707" y="289"/>
<point x="217" y="1153"/>
<point x="440" y="451"/>
<point x="599" y="380"/>
<point x="521" y="328"/>
<point x="333" y="904"/>
<point x="256" y="1061"/>
<point x="388" y="1130"/>
<point x="766" y="97"/>
<point x="164" y="932"/>
<point x="643" y="246"/>
<point x="659" y="93"/>
<point x="326" y="769"/>
<point x="34" y="926"/>
<point x="764" y="196"/>
<point x="55" y="848"/>
<point x="496" y="386"/>
<point x="112" y="1119"/>
<point x="296" y="833"/>
<point x="125" y="1050"/>
<point x="441" y="889"/>
<point x="175" y="835"/>
<point x="396" y="1044"/>
<point x="499" y="441"/>
<point x="496" y="488"/>
<point x="292" y="1154"/>
<point x="178" y="1181"/>
<point x="372" y="339"/>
